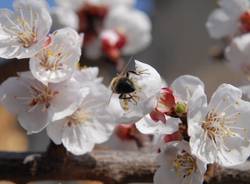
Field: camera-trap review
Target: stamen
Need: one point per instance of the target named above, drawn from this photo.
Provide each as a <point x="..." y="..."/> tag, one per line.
<point x="50" y="60"/>
<point x="218" y="125"/>
<point x="39" y="95"/>
<point x="79" y="117"/>
<point x="22" y="30"/>
<point x="184" y="164"/>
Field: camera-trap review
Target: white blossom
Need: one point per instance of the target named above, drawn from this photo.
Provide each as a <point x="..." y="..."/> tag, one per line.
<point x="237" y="53"/>
<point x="231" y="19"/>
<point x="64" y="17"/>
<point x="179" y="166"/>
<point x="219" y="131"/>
<point x="143" y="100"/>
<point x="56" y="62"/>
<point x="36" y="104"/>
<point x="24" y="32"/>
<point x="133" y="24"/>
<point x="92" y="123"/>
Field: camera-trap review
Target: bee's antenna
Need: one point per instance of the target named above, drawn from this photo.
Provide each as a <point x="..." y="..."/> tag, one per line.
<point x="110" y="98"/>
<point x="132" y="58"/>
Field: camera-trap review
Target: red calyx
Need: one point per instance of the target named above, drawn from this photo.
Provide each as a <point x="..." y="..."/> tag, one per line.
<point x="167" y="101"/>
<point x="123" y="131"/>
<point x="172" y="137"/>
<point x="157" y="116"/>
<point x="245" y="22"/>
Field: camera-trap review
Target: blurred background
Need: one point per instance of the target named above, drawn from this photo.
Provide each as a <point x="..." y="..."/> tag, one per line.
<point x="180" y="46"/>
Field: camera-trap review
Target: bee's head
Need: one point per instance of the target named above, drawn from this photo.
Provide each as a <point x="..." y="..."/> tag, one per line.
<point x="114" y="82"/>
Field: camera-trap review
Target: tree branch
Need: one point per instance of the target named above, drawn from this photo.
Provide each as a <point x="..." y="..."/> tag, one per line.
<point x="111" y="167"/>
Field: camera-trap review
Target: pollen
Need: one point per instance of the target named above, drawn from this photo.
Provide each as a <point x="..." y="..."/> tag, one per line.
<point x="79" y="117"/>
<point x="184" y="164"/>
<point x="51" y="60"/>
<point x="219" y="125"/>
<point x="39" y="95"/>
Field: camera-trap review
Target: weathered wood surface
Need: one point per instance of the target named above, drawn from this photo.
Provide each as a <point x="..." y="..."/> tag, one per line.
<point x="110" y="167"/>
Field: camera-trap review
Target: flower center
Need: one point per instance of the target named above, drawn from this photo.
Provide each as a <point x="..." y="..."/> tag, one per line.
<point x="51" y="60"/>
<point x="220" y="125"/>
<point x="41" y="95"/>
<point x="245" y="22"/>
<point x="79" y="117"/>
<point x="25" y="34"/>
<point x="184" y="164"/>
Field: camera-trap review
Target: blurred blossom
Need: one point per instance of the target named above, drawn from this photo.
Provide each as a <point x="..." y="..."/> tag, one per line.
<point x="231" y="19"/>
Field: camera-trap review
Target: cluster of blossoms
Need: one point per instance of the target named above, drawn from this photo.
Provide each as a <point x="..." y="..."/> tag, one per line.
<point x="71" y="103"/>
<point x="79" y="111"/>
<point x="112" y="28"/>
<point x="230" y="22"/>
<point x="190" y="133"/>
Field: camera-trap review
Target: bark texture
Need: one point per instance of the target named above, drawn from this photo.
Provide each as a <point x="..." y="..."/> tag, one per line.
<point x="110" y="167"/>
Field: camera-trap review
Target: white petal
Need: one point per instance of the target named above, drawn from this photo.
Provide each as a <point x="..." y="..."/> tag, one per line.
<point x="149" y="80"/>
<point x="75" y="141"/>
<point x="34" y="121"/>
<point x="67" y="101"/>
<point x="11" y="89"/>
<point x="224" y="95"/>
<point x="148" y="126"/>
<point x="55" y="131"/>
<point x="184" y="87"/>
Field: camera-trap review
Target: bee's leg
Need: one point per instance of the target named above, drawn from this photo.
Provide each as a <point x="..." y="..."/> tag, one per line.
<point x="133" y="98"/>
<point x="124" y="101"/>
<point x="139" y="72"/>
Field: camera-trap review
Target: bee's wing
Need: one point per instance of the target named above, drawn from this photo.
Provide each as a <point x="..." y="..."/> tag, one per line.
<point x="128" y="65"/>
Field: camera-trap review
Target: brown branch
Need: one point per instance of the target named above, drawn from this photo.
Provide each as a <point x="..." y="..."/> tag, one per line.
<point x="111" y="167"/>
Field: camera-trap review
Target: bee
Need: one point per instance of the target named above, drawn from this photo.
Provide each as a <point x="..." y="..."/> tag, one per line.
<point x="125" y="86"/>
